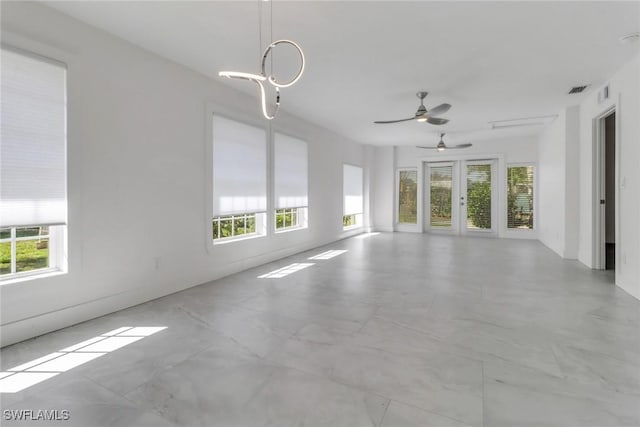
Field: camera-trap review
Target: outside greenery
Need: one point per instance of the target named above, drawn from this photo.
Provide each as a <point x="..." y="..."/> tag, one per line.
<point x="30" y="254"/>
<point x="408" y="197"/>
<point x="348" y="220"/>
<point x="479" y="196"/>
<point x="286" y="218"/>
<point x="441" y="196"/>
<point x="230" y="226"/>
<point x="520" y="197"/>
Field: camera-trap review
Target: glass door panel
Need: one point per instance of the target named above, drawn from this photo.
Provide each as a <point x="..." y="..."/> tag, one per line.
<point x="441" y="192"/>
<point x="478" y="197"/>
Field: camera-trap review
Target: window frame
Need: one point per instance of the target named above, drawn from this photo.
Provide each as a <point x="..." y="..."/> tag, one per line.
<point x="520" y="231"/>
<point x="301" y="219"/>
<point x="58" y="233"/>
<point x="56" y="245"/>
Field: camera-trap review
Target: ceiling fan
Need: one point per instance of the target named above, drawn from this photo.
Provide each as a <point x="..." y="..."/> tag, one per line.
<point x="424" y="115"/>
<point x="442" y="146"/>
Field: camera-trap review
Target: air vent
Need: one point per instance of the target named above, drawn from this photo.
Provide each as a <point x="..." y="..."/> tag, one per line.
<point x="577" y="89"/>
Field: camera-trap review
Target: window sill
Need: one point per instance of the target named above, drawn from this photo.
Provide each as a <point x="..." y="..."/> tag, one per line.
<point x="236" y="239"/>
<point x="290" y="229"/>
<point x="27" y="276"/>
<point x="351" y="227"/>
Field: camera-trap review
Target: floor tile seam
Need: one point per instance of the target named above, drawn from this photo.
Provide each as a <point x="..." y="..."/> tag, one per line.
<point x="589" y="391"/>
<point x="447" y="345"/>
<point x="337" y="380"/>
<point x="332" y="379"/>
<point x="599" y="353"/>
<point x="484" y="400"/>
<point x="206" y="348"/>
<point x="430" y="411"/>
<point x="384" y="414"/>
<point x="152" y="409"/>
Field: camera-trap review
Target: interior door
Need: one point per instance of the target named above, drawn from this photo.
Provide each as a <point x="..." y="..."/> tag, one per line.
<point x="478" y="197"/>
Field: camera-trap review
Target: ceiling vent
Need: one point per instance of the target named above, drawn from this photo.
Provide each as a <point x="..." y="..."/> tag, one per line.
<point x="577" y="89"/>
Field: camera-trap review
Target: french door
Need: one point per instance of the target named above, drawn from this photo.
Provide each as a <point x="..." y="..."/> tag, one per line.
<point x="461" y="197"/>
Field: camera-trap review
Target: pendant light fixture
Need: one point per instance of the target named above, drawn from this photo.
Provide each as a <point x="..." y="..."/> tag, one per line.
<point x="262" y="78"/>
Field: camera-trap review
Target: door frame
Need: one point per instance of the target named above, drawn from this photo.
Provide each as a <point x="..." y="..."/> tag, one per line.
<point x="501" y="187"/>
<point x="464" y="231"/>
<point x="426" y="199"/>
<point x="599" y="185"/>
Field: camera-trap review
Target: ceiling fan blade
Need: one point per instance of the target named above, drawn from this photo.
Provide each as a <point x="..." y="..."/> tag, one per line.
<point x="459" y="146"/>
<point x="440" y="109"/>
<point x="428" y="148"/>
<point x="393" y="121"/>
<point x="437" y="121"/>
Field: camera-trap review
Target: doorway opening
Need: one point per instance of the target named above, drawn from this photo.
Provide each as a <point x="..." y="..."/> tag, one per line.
<point x="610" y="191"/>
<point x="605" y="186"/>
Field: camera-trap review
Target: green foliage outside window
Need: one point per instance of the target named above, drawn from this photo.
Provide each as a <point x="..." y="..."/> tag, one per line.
<point x="520" y="197"/>
<point x="32" y="254"/>
<point x="286" y="218"/>
<point x="408" y="197"/>
<point x="479" y="195"/>
<point x="348" y="220"/>
<point x="231" y="226"/>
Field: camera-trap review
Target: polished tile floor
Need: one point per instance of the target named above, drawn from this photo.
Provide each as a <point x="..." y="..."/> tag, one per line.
<point x="399" y="330"/>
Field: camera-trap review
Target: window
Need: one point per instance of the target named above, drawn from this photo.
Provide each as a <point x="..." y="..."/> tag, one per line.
<point x="239" y="180"/>
<point x="408" y="196"/>
<point x="352" y="196"/>
<point x="290" y="182"/>
<point x="520" y="197"/>
<point x="33" y="172"/>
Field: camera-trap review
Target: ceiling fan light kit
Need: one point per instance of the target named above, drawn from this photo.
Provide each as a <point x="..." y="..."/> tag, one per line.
<point x="443" y="147"/>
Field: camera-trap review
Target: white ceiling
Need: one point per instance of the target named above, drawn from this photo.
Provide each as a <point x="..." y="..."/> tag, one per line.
<point x="366" y="59"/>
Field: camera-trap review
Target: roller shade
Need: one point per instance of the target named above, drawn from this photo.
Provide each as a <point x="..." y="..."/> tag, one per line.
<point x="352" y="190"/>
<point x="33" y="175"/>
<point x="291" y="171"/>
<point x="239" y="168"/>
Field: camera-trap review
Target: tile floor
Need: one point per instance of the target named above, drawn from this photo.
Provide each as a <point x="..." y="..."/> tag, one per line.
<point x="399" y="330"/>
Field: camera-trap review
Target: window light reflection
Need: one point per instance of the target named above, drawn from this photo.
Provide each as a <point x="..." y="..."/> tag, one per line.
<point x="31" y="373"/>
<point x="285" y="271"/>
<point x="329" y="254"/>
<point x="366" y="235"/>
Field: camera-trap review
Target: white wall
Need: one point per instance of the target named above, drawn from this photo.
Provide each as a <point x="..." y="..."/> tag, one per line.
<point x="552" y="185"/>
<point x="624" y="88"/>
<point x="137" y="186"/>
<point x="509" y="151"/>
<point x="383" y="183"/>
<point x="558" y="154"/>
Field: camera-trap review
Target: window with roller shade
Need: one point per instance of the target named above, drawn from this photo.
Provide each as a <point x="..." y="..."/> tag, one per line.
<point x="520" y="197"/>
<point x="239" y="180"/>
<point x="290" y="182"/>
<point x="353" y="201"/>
<point x="33" y="170"/>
